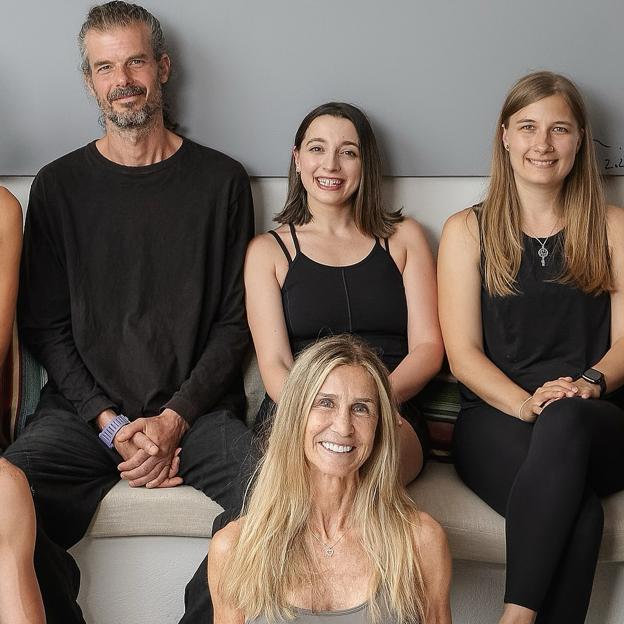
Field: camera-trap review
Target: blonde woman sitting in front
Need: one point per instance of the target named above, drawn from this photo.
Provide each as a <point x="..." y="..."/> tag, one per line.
<point x="328" y="529"/>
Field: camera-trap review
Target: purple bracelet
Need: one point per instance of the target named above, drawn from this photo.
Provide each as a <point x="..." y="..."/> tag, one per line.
<point x="107" y="435"/>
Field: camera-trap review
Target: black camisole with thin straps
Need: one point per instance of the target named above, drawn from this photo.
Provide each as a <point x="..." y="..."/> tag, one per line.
<point x="366" y="299"/>
<point x="548" y="329"/>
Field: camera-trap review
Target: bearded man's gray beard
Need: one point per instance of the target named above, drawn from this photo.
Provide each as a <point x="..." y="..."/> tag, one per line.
<point x="132" y="119"/>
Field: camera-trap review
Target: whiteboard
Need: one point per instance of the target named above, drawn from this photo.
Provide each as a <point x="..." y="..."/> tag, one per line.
<point x="430" y="75"/>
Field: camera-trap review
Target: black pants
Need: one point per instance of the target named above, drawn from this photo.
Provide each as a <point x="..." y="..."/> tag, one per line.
<point x="546" y="479"/>
<point x="198" y="607"/>
<point x="70" y="471"/>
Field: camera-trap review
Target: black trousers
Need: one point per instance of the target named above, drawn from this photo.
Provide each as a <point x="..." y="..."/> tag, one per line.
<point x="198" y="607"/>
<point x="70" y="471"/>
<point x="546" y="479"/>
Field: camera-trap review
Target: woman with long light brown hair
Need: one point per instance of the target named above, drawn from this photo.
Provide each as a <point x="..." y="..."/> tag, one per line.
<point x="532" y="312"/>
<point x="328" y="528"/>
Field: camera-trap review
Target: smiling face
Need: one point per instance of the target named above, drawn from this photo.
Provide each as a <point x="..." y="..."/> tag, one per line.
<point x="340" y="431"/>
<point x="542" y="140"/>
<point x="125" y="78"/>
<point x="329" y="162"/>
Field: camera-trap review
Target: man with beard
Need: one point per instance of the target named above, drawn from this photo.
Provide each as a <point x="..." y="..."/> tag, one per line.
<point x="131" y="297"/>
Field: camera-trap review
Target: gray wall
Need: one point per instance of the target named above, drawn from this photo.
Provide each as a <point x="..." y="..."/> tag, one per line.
<point x="431" y="75"/>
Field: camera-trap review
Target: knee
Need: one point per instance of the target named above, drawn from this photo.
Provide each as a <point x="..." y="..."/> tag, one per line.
<point x="12" y="479"/>
<point x="565" y="421"/>
<point x="16" y="506"/>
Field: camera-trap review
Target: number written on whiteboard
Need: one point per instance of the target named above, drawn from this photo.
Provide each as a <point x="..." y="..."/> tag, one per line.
<point x="612" y="157"/>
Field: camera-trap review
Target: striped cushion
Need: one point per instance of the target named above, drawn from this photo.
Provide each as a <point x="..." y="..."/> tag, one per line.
<point x="439" y="402"/>
<point x="9" y="392"/>
<point x="21" y="381"/>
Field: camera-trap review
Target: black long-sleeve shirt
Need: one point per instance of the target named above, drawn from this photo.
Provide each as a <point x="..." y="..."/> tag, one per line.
<point x="131" y="290"/>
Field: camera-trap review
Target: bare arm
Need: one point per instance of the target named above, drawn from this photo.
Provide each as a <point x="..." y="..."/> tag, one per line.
<point x="410" y="249"/>
<point x="220" y="548"/>
<point x="10" y="249"/>
<point x="435" y="562"/>
<point x="459" y="292"/>
<point x="612" y="363"/>
<point x="265" y="312"/>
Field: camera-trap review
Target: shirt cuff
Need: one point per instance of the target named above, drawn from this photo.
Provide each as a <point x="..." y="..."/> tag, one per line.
<point x="94" y="406"/>
<point x="184" y="407"/>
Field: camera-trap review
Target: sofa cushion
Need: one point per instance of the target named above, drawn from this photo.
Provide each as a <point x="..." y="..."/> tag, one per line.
<point x="439" y="403"/>
<point x="9" y="392"/>
<point x="21" y="380"/>
<point x="181" y="511"/>
<point x="23" y="386"/>
<point x="475" y="532"/>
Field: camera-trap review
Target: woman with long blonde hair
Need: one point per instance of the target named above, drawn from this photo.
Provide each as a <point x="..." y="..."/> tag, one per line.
<point x="328" y="528"/>
<point x="532" y="312"/>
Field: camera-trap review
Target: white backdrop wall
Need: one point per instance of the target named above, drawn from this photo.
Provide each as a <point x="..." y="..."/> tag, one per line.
<point x="428" y="200"/>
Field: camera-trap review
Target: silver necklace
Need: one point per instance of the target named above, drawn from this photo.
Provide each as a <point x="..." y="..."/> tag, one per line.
<point x="542" y="252"/>
<point x="328" y="549"/>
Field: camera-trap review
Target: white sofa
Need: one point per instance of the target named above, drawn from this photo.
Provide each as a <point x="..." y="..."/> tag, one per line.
<point x="143" y="545"/>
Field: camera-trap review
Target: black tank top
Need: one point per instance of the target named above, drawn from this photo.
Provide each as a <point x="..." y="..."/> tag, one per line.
<point x="546" y="331"/>
<point x="366" y="298"/>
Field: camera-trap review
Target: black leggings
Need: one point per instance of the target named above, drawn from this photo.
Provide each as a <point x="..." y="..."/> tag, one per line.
<point x="545" y="478"/>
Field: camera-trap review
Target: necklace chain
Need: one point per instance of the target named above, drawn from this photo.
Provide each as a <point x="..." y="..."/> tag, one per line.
<point x="542" y="252"/>
<point x="328" y="549"/>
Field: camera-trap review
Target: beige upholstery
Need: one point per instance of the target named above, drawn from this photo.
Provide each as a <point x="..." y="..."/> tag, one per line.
<point x="475" y="532"/>
<point x="182" y="511"/>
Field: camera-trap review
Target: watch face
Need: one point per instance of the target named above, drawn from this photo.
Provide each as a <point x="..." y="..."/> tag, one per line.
<point x="592" y="375"/>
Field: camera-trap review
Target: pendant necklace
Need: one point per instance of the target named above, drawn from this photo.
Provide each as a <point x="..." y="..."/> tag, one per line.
<point x="328" y="549"/>
<point x="542" y="252"/>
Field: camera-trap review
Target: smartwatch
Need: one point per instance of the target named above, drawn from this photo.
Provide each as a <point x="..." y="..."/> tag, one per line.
<point x="107" y="435"/>
<point x="595" y="377"/>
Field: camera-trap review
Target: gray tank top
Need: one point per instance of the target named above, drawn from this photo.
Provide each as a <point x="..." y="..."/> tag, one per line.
<point x="355" y="615"/>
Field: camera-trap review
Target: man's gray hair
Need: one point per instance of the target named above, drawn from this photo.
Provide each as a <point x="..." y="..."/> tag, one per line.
<point x="119" y="14"/>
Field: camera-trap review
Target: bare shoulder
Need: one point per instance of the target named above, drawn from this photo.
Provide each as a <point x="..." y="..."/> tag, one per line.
<point x="263" y="253"/>
<point x="615" y="224"/>
<point x="429" y="534"/>
<point x="225" y="540"/>
<point x="408" y="229"/>
<point x="262" y="244"/>
<point x="10" y="210"/>
<point x="462" y="224"/>
<point x="410" y="236"/>
<point x="436" y="567"/>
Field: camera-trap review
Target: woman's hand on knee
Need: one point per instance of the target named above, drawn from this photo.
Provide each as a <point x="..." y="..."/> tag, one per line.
<point x="588" y="390"/>
<point x="546" y="394"/>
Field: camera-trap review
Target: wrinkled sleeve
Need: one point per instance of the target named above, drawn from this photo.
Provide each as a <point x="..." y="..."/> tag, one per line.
<point x="44" y="306"/>
<point x="228" y="340"/>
